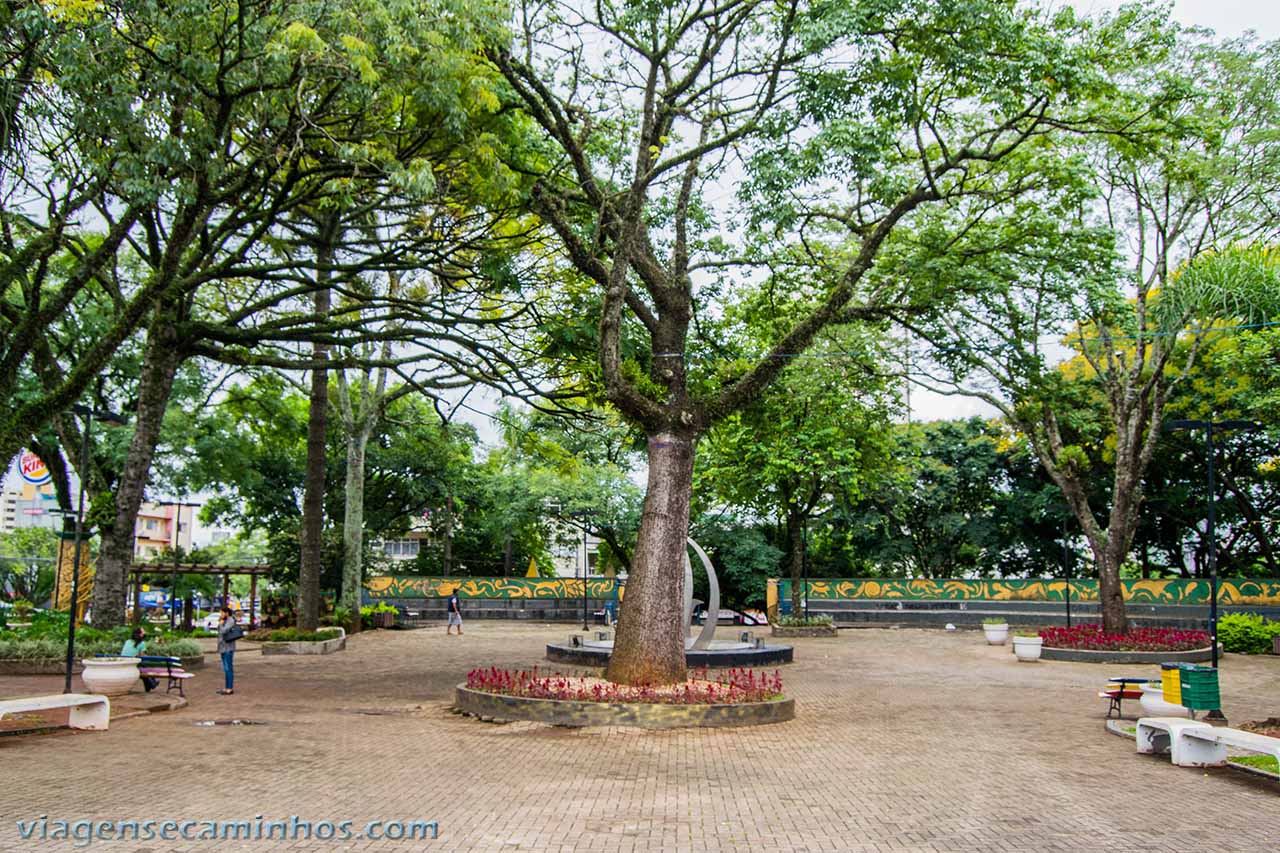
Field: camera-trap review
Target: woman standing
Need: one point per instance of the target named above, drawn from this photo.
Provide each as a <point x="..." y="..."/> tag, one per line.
<point x="228" y="633"/>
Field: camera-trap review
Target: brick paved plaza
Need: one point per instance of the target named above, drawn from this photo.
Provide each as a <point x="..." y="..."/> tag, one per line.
<point x="904" y="740"/>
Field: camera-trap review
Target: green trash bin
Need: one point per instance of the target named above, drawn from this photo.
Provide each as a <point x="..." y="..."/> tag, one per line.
<point x="1200" y="688"/>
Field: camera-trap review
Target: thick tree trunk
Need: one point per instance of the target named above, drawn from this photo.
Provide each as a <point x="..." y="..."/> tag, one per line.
<point x="159" y="366"/>
<point x="651" y="633"/>
<point x="795" y="560"/>
<point x="353" y="526"/>
<point x="313" y="497"/>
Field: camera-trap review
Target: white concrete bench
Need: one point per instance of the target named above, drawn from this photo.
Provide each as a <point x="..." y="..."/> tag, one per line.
<point x="1198" y="744"/>
<point x="1208" y="748"/>
<point x="1164" y="734"/>
<point x="88" y="710"/>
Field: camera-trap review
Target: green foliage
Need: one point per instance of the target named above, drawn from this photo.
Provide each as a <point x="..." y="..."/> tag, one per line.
<point x="992" y="620"/>
<point x="1247" y="633"/>
<point x="800" y="621"/>
<point x="27" y="557"/>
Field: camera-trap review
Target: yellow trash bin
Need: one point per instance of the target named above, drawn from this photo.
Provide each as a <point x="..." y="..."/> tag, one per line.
<point x="1171" y="683"/>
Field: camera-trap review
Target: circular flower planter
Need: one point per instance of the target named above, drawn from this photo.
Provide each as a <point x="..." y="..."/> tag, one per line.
<point x="996" y="635"/>
<point x="1120" y="656"/>
<point x="563" y="712"/>
<point x="110" y="676"/>
<point x="1027" y="648"/>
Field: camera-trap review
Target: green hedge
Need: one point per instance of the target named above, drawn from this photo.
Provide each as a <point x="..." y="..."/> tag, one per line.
<point x="32" y="648"/>
<point x="1247" y="633"/>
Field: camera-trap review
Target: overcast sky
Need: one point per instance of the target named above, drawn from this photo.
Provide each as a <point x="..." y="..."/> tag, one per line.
<point x="1226" y="17"/>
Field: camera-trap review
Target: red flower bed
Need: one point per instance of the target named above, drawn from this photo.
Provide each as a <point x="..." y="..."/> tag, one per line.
<point x="1092" y="638"/>
<point x="727" y="688"/>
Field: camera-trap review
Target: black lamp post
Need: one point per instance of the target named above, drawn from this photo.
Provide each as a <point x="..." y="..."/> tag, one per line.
<point x="89" y="415"/>
<point x="1212" y="533"/>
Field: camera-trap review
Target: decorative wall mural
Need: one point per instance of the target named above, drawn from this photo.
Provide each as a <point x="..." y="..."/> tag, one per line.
<point x="405" y="586"/>
<point x="1239" y="591"/>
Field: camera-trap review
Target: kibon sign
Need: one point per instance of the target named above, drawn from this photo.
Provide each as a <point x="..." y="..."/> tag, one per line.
<point x="33" y="469"/>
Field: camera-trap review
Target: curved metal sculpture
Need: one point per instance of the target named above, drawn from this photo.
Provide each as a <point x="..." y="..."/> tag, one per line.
<point x="708" y="631"/>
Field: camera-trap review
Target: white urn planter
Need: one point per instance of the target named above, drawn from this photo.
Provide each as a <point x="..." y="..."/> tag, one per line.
<point x="1153" y="704"/>
<point x="1027" y="648"/>
<point x="110" y="676"/>
<point x="996" y="634"/>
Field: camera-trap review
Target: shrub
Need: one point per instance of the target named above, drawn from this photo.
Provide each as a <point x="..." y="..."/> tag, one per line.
<point x="35" y="648"/>
<point x="1247" y="633"/>
<point x="794" y="621"/>
<point x="366" y="612"/>
<point x="993" y="620"/>
<point x="1091" y="638"/>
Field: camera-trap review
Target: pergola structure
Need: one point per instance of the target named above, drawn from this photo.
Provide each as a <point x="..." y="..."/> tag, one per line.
<point x="253" y="571"/>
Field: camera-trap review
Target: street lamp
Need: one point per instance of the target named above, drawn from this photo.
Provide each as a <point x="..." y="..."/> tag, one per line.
<point x="1212" y="533"/>
<point x="89" y="415"/>
<point x="173" y="575"/>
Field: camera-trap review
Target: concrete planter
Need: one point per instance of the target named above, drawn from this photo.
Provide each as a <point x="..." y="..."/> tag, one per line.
<point x="110" y="676"/>
<point x="1153" y="704"/>
<point x="310" y="647"/>
<point x="996" y="635"/>
<point x="807" y="631"/>
<point x="560" y="712"/>
<point x="1085" y="656"/>
<point x="1027" y="649"/>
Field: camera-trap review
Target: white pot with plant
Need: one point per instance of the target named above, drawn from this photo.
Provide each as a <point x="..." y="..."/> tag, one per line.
<point x="110" y="676"/>
<point x="997" y="631"/>
<point x="1026" y="645"/>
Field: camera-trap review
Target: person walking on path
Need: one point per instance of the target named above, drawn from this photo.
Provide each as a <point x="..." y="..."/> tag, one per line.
<point x="455" y="613"/>
<point x="228" y="633"/>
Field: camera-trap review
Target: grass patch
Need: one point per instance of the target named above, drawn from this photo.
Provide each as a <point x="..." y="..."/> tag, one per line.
<point x="1258" y="762"/>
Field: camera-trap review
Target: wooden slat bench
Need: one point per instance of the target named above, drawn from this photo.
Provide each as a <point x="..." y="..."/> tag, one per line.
<point x="88" y="710"/>
<point x="156" y="666"/>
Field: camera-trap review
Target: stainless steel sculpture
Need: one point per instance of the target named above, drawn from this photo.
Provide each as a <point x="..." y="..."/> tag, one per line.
<point x="708" y="631"/>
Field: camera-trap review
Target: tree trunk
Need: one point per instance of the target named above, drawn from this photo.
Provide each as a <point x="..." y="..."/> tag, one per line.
<point x="507" y="546"/>
<point x="353" y="526"/>
<point x="795" y="559"/>
<point x="313" y="497"/>
<point x="159" y="366"/>
<point x="651" y="633"/>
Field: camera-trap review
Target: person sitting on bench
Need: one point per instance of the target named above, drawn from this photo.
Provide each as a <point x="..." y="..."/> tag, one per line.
<point x="136" y="647"/>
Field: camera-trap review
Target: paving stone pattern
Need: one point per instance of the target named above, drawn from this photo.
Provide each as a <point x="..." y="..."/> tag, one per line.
<point x="903" y="740"/>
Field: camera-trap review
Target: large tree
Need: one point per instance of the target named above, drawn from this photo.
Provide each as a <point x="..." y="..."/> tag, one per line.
<point x="1120" y="261"/>
<point x="839" y="119"/>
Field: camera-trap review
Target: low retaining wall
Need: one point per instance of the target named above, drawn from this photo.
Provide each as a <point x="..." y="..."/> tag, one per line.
<point x="1091" y="656"/>
<point x="561" y="712"/>
<point x="307" y="647"/>
<point x="807" y="631"/>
